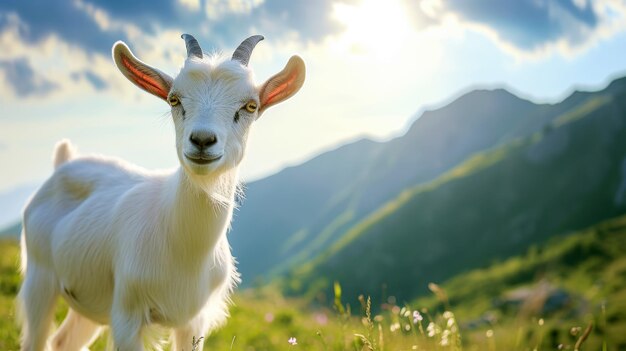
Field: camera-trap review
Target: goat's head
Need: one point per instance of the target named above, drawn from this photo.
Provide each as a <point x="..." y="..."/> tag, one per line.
<point x="213" y="101"/>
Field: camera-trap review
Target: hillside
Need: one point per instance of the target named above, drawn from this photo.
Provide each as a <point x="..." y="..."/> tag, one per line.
<point x="580" y="275"/>
<point x="292" y="217"/>
<point x="495" y="204"/>
<point x="589" y="264"/>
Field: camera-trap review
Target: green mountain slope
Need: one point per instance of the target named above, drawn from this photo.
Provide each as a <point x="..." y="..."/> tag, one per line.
<point x="589" y="263"/>
<point x="496" y="204"/>
<point x="294" y="215"/>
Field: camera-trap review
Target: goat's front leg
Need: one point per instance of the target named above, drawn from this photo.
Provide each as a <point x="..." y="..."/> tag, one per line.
<point x="126" y="327"/>
<point x="191" y="336"/>
<point x="126" y="331"/>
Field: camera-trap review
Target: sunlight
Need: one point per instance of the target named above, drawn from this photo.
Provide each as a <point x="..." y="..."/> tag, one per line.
<point x="377" y="29"/>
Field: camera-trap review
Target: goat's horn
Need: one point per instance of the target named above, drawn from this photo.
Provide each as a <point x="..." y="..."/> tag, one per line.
<point x="193" y="48"/>
<point x="244" y="50"/>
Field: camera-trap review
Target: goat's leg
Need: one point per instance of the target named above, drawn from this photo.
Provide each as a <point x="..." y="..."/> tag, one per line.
<point x="190" y="337"/>
<point x="75" y="334"/>
<point x="126" y="328"/>
<point x="37" y="298"/>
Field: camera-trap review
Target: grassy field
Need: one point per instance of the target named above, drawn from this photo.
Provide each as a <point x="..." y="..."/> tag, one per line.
<point x="263" y="319"/>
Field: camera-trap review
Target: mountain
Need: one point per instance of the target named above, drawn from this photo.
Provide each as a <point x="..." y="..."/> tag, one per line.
<point x="294" y="216"/>
<point x="497" y="203"/>
<point x="11" y="232"/>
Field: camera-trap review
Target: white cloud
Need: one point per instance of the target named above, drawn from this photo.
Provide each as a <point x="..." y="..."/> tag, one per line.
<point x="57" y="61"/>
<point x="193" y="5"/>
<point x="54" y="60"/>
<point x="106" y="23"/>
<point x="215" y="9"/>
<point x="560" y="32"/>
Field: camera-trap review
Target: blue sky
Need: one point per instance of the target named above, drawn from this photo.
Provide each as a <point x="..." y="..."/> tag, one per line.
<point x="371" y="66"/>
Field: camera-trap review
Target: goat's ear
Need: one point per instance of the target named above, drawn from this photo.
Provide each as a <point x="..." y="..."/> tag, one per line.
<point x="142" y="75"/>
<point x="283" y="85"/>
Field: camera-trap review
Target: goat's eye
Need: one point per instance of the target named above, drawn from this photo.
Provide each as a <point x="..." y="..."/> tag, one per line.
<point x="173" y="100"/>
<point x="251" y="106"/>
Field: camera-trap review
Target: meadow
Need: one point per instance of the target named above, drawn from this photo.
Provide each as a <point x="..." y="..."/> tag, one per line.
<point x="264" y="319"/>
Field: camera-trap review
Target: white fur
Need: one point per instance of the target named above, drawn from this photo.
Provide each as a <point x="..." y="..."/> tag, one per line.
<point x="130" y="248"/>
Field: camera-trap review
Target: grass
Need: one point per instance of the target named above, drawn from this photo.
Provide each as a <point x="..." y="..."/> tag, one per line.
<point x="9" y="285"/>
<point x="263" y="319"/>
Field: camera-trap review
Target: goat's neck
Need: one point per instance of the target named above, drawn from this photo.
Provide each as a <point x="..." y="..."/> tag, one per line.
<point x="201" y="213"/>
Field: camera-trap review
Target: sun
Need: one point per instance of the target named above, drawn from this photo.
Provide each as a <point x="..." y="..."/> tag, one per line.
<point x="374" y="28"/>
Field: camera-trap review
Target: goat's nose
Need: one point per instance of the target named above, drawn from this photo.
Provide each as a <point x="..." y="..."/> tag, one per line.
<point x="202" y="139"/>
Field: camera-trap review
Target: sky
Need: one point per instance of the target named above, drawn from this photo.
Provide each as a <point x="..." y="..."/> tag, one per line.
<point x="372" y="67"/>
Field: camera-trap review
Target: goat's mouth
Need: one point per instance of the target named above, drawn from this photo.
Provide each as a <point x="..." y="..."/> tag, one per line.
<point x="203" y="159"/>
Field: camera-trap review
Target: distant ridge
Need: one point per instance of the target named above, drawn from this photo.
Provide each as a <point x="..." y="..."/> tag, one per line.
<point x="11" y="232"/>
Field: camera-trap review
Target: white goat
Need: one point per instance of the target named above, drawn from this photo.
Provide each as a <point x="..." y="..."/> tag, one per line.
<point x="129" y="248"/>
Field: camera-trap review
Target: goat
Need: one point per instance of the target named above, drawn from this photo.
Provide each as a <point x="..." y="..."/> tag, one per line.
<point x="131" y="248"/>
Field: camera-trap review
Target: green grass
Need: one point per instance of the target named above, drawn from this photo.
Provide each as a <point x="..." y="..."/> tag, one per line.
<point x="589" y="263"/>
<point x="589" y="266"/>
<point x="9" y="284"/>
